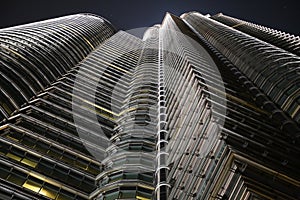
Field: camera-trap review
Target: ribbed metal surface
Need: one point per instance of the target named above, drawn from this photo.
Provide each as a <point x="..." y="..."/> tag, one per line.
<point x="273" y="70"/>
<point x="255" y="148"/>
<point x="42" y="156"/>
<point x="192" y="127"/>
<point x="129" y="166"/>
<point x="280" y="39"/>
<point x="33" y="56"/>
<point x="187" y="112"/>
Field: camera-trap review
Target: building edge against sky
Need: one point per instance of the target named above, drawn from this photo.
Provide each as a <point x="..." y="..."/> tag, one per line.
<point x="203" y="107"/>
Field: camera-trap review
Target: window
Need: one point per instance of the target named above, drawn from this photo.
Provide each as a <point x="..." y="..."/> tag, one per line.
<point x="80" y="163"/>
<point x="45" y="166"/>
<point x="60" y="173"/>
<point x="15" y="136"/>
<point x="128" y="194"/>
<point x="112" y="196"/>
<point x="17" y="177"/>
<point x="30" y="160"/>
<point x="94" y="168"/>
<point x="5" y="171"/>
<point x="49" y="191"/>
<point x="28" y="141"/>
<point x="68" y="158"/>
<point x="64" y="195"/>
<point x="41" y="147"/>
<point x="33" y="184"/>
<point x="54" y="152"/>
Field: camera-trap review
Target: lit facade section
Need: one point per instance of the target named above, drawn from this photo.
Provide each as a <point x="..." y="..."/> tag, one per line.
<point x="90" y="113"/>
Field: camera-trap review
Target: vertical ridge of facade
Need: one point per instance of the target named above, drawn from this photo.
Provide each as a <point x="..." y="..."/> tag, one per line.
<point x="162" y="168"/>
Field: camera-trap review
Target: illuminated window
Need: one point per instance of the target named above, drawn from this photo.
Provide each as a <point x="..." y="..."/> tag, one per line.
<point x="49" y="191"/>
<point x="33" y="184"/>
<point x="29" y="162"/>
<point x="13" y="156"/>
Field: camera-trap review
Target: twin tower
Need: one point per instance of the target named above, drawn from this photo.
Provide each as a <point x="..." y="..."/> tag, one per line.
<point x="200" y="107"/>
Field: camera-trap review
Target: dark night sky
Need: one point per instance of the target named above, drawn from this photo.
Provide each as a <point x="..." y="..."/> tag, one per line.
<point x="127" y="14"/>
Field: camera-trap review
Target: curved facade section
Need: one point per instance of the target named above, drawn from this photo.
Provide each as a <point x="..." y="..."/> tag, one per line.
<point x="246" y="129"/>
<point x="272" y="69"/>
<point x="131" y="95"/>
<point x="33" y="56"/>
<point x="193" y="115"/>
<point x="280" y="39"/>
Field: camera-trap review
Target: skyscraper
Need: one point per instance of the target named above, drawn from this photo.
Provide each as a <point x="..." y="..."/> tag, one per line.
<point x="201" y="107"/>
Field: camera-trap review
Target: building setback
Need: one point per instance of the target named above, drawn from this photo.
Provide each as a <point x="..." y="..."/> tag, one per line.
<point x="201" y="107"/>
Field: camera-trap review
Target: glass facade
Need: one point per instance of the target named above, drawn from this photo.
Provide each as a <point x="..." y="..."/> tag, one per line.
<point x="201" y="107"/>
<point x="280" y="39"/>
<point x="42" y="156"/>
